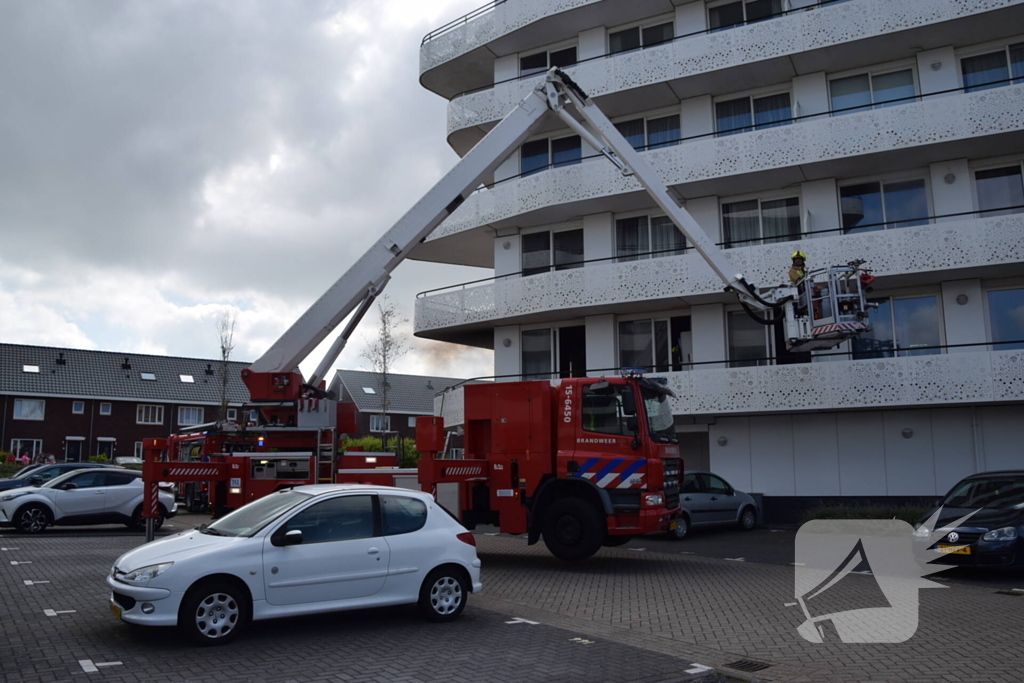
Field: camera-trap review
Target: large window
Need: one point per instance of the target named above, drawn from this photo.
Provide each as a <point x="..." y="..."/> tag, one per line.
<point x="190" y="415"/>
<point x="538" y="354"/>
<point x="652" y="133"/>
<point x="29" y="408"/>
<point x="994" y="69"/>
<point x="606" y="408"/>
<point x="560" y="250"/>
<point x="337" y="519"/>
<point x="1006" y="317"/>
<point x="999" y="190"/>
<point x="871" y="90"/>
<point x="881" y="205"/>
<point x="538" y="155"/>
<point x="636" y="37"/>
<point x="745" y="114"/>
<point x="748" y="341"/>
<point x="644" y="344"/>
<point x="29" y="447"/>
<point x="900" y="327"/>
<point x="402" y="515"/>
<point x="380" y="423"/>
<point x="539" y="62"/>
<point x="757" y="221"/>
<point x="732" y="14"/>
<point x="149" y="415"/>
<point x="647" y="237"/>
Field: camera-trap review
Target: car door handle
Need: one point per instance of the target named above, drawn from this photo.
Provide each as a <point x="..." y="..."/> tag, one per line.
<point x="98" y="493"/>
<point x="687" y="498"/>
<point x="373" y="551"/>
<point x="714" y="497"/>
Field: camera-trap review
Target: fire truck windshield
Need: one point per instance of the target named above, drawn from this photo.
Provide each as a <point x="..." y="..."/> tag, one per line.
<point x="660" y="421"/>
<point x="249" y="519"/>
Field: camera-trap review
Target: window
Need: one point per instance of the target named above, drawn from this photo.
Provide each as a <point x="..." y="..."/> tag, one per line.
<point x="900" y="327"/>
<point x="412" y="422"/>
<point x="30" y="368"/>
<point x="122" y="478"/>
<point x="994" y="69"/>
<point x="29" y="447"/>
<point x="88" y="480"/>
<point x="748" y="341"/>
<point x="732" y="14"/>
<point x="138" y="449"/>
<point x="104" y="409"/>
<point x="540" y="62"/>
<point x="606" y="408"/>
<point x="538" y="253"/>
<point x="368" y="390"/>
<point x="187" y="379"/>
<point x="29" y="408"/>
<point x="338" y="519"/>
<point x="652" y="133"/>
<point x="232" y="414"/>
<point x="254" y="416"/>
<point x="77" y="407"/>
<point x="757" y="221"/>
<point x="402" y="515"/>
<point x="148" y="376"/>
<point x="538" y="155"/>
<point x="647" y="237"/>
<point x="538" y="357"/>
<point x="189" y="415"/>
<point x="380" y="423"/>
<point x="149" y="415"/>
<point x="873" y="206"/>
<point x="637" y="37"/>
<point x="713" y="484"/>
<point x="745" y="114"/>
<point x="1006" y="317"/>
<point x="644" y="344"/>
<point x="864" y="91"/>
<point x="1000" y="190"/>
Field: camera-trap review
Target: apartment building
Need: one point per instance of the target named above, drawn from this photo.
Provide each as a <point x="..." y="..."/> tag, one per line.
<point x="882" y="130"/>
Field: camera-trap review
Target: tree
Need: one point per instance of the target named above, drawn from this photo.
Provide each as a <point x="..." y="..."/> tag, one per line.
<point x="386" y="348"/>
<point x="226" y="335"/>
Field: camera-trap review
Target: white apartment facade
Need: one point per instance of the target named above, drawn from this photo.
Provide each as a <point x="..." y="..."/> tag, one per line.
<point x="884" y="130"/>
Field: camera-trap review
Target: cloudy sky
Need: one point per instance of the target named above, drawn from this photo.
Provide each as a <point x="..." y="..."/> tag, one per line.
<point x="161" y="162"/>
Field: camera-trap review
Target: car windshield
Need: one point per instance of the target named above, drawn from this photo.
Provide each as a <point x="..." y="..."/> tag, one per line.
<point x="660" y="421"/>
<point x="994" y="494"/>
<point x="249" y="519"/>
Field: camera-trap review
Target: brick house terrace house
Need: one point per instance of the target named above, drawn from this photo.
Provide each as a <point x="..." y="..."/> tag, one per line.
<point x="408" y="397"/>
<point x="76" y="404"/>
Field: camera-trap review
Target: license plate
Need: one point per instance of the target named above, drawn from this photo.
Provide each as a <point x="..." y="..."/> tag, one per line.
<point x="115" y="609"/>
<point x="954" y="549"/>
<point x="672" y="525"/>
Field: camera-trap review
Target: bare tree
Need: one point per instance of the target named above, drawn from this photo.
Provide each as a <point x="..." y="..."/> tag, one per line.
<point x="386" y="348"/>
<point x="226" y="335"/>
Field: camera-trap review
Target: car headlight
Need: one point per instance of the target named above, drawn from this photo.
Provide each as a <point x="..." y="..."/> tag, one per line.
<point x="145" y="574"/>
<point x="1005" y="534"/>
<point x="653" y="499"/>
<point x="12" y="496"/>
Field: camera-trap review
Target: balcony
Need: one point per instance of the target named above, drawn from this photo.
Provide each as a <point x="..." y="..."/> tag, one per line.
<point x="909" y="135"/>
<point x="947" y="379"/>
<point x="965" y="245"/>
<point x="833" y="38"/>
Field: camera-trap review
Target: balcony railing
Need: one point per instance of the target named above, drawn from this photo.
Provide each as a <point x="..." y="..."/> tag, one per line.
<point x="464" y="19"/>
<point x="972" y="242"/>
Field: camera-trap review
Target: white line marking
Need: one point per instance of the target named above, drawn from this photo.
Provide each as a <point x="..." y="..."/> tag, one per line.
<point x="789" y="604"/>
<point x="798" y="564"/>
<point x="16" y="563"/>
<point x="866" y="572"/>
<point x="697" y="668"/>
<point x="520" y="620"/>
<point x="53" y="613"/>
<point x="581" y="641"/>
<point x="735" y="559"/>
<point x="1017" y="590"/>
<point x="6" y="549"/>
<point x="498" y="533"/>
<point x="637" y="550"/>
<point x="34" y="583"/>
<point x="109" y="664"/>
<point x="89" y="666"/>
<point x="685" y="552"/>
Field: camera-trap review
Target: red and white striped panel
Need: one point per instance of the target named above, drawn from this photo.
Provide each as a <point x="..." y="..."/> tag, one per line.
<point x="838" y="327"/>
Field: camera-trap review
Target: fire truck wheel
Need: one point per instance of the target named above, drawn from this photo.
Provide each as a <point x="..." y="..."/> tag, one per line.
<point x="213" y="612"/>
<point x="31" y="519"/>
<point x="443" y="594"/>
<point x="138" y="522"/>
<point x="573" y="529"/>
<point x="681" y="530"/>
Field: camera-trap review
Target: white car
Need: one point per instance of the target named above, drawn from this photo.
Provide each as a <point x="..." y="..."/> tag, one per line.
<point x="305" y="550"/>
<point x="82" y="496"/>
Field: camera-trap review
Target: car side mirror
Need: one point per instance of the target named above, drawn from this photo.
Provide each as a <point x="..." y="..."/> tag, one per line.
<point x="70" y="486"/>
<point x="632" y="424"/>
<point x="628" y="402"/>
<point x="35" y="481"/>
<point x="293" y="537"/>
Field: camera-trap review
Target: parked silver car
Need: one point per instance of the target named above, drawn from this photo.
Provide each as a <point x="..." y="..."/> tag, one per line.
<point x="706" y="500"/>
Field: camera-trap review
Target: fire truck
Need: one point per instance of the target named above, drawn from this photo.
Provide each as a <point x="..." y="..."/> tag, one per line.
<point x="532" y="462"/>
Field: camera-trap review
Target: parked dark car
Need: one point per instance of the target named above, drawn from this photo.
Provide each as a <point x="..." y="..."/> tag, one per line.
<point x="35" y="475"/>
<point x="994" y="535"/>
<point x="708" y="500"/>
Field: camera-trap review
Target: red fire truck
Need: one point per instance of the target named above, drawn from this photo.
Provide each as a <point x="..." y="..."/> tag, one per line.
<point x="584" y="463"/>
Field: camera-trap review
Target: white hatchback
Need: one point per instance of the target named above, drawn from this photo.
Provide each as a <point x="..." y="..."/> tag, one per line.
<point x="305" y="550"/>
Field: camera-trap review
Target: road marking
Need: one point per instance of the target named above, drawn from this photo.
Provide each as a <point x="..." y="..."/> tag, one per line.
<point x="735" y="559"/>
<point x="16" y="563"/>
<point x="866" y="572"/>
<point x="581" y="641"/>
<point x="520" y="620"/>
<point x="697" y="668"/>
<point x="685" y="552"/>
<point x="34" y="583"/>
<point x="53" y="613"/>
<point x="1017" y="590"/>
<point x="798" y="564"/>
<point x="637" y="550"/>
<point x="789" y="604"/>
<point x="6" y="549"/>
<point x="497" y="533"/>
<point x="90" y="667"/>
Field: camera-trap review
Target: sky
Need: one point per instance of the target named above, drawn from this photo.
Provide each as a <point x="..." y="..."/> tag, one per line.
<point x="164" y="162"/>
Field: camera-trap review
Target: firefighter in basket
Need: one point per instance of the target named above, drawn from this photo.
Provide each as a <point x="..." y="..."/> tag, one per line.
<point x="798" y="269"/>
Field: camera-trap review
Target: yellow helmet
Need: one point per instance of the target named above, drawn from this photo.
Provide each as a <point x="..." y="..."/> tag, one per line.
<point x="799" y="254"/>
